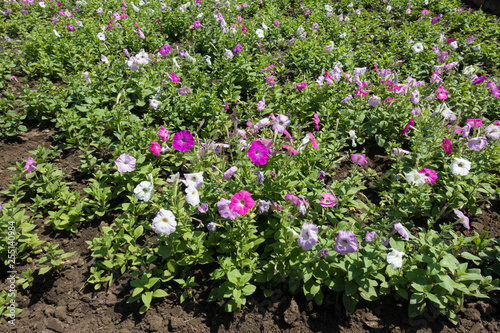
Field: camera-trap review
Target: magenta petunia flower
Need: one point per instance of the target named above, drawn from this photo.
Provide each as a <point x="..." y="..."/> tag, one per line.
<point x="474" y="123"/>
<point x="402" y="231"/>
<point x="317" y="121"/>
<point x="30" y="165"/>
<point x="301" y="86"/>
<point x="346" y="242"/>
<point x="241" y="202"/>
<point x="328" y="200"/>
<point x="308" y="236"/>
<point x="258" y="153"/>
<point x="360" y="159"/>
<point x="165" y="49"/>
<point x="155" y="148"/>
<point x="125" y="163"/>
<point x="408" y="126"/>
<point x="182" y="140"/>
<point x="442" y="93"/>
<point x="291" y="150"/>
<point x="174" y="77"/>
<point x="447" y="146"/>
<point x="270" y="81"/>
<point x="430" y="175"/>
<point x="163" y="134"/>
<point x="313" y="140"/>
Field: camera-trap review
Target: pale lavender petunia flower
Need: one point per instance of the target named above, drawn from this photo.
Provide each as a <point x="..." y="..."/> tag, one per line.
<point x="477" y="143"/>
<point x="308" y="236"/>
<point x="224" y="211"/>
<point x="230" y="172"/>
<point x="346" y="242"/>
<point x="492" y="131"/>
<point x="203" y="208"/>
<point x="125" y="163"/>
<point x="402" y="231"/>
<point x="263" y="206"/>
<point x="462" y="219"/>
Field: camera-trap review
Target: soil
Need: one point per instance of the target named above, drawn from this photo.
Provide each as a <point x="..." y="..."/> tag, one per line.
<point x="62" y="302"/>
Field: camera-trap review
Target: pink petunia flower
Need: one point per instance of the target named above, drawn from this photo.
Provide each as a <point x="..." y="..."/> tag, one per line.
<point x="313" y="140"/>
<point x="155" y="148"/>
<point x="408" y="126"/>
<point x="447" y="146"/>
<point x="474" y="123"/>
<point x="258" y="153"/>
<point x="291" y="150"/>
<point x="241" y="202"/>
<point x="430" y="175"/>
<point x="329" y="200"/>
<point x="317" y="121"/>
<point x="182" y="140"/>
<point x="163" y="134"/>
<point x="360" y="159"/>
<point x="30" y="165"/>
<point x="301" y="86"/>
<point x="442" y="93"/>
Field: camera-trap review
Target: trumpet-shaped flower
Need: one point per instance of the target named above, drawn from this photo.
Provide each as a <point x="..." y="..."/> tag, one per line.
<point x="402" y="231"/>
<point x="329" y="200"/>
<point x="360" y="159"/>
<point x="155" y="148"/>
<point x="308" y="236"/>
<point x="30" y="165"/>
<point x="395" y="258"/>
<point x="447" y="146"/>
<point x="144" y="191"/>
<point x="415" y="178"/>
<point x="182" y="140"/>
<point x="163" y="134"/>
<point x="477" y="143"/>
<point x="492" y="131"/>
<point x="230" y="172"/>
<point x="346" y="242"/>
<point x="462" y="219"/>
<point x="241" y="202"/>
<point x="258" y="153"/>
<point x="225" y="211"/>
<point x="192" y="196"/>
<point x="125" y="163"/>
<point x="460" y="166"/>
<point x="430" y="175"/>
<point x="194" y="179"/>
<point x="164" y="222"/>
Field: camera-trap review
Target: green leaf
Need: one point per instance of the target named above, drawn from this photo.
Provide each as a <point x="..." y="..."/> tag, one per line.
<point x="350" y="288"/>
<point x="159" y="293"/>
<point x="350" y="302"/>
<point x="138" y="231"/>
<point x="147" y="297"/>
<point x="417" y="305"/>
<point x="44" y="270"/>
<point x="249" y="289"/>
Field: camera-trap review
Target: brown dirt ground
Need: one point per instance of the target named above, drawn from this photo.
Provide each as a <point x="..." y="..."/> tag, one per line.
<point x="62" y="303"/>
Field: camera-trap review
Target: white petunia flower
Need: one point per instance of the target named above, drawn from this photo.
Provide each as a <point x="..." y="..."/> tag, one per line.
<point x="164" y="222"/>
<point x="418" y="47"/>
<point x="144" y="191"/>
<point x="192" y="196"/>
<point x="395" y="258"/>
<point x="352" y="136"/>
<point x="173" y="178"/>
<point x="260" y="33"/>
<point x="194" y="179"/>
<point x="460" y="166"/>
<point x="56" y="33"/>
<point x="415" y="178"/>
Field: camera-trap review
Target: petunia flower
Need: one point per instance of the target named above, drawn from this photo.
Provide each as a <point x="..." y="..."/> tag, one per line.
<point x="447" y="146"/>
<point x="203" y="208"/>
<point x="474" y="123"/>
<point x="460" y="166"/>
<point x="402" y="231"/>
<point x="301" y="86"/>
<point x="30" y="165"/>
<point x="346" y="242"/>
<point x="395" y="258"/>
<point x="101" y="36"/>
<point x="230" y="172"/>
<point x="194" y="179"/>
<point x="418" y="47"/>
<point x="430" y="175"/>
<point x="163" y="134"/>
<point x="224" y="211"/>
<point x="182" y="140"/>
<point x="260" y="177"/>
<point x="164" y="222"/>
<point x="155" y="148"/>
<point x="410" y="124"/>
<point x="280" y="123"/>
<point x="317" y="121"/>
<point x="370" y="236"/>
<point x="360" y="159"/>
<point x="212" y="227"/>
<point x="415" y="178"/>
<point x="477" y="143"/>
<point x="329" y="200"/>
<point x="154" y="104"/>
<point x="258" y="153"/>
<point x="125" y="163"/>
<point x="374" y="101"/>
<point x="308" y="236"/>
<point x="241" y="202"/>
<point x="492" y="131"/>
<point x="400" y="151"/>
<point x="144" y="191"/>
<point x="462" y="219"/>
<point x="192" y="196"/>
<point x="442" y="93"/>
